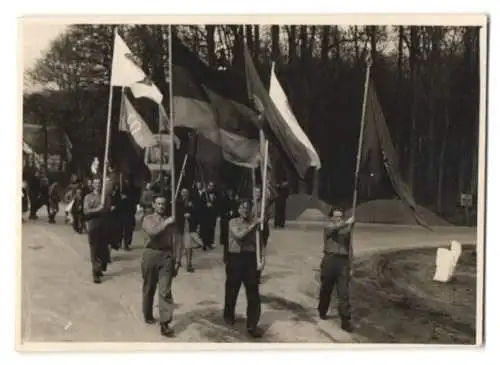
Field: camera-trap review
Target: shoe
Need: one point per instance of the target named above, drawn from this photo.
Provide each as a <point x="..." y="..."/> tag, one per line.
<point x="346" y="325"/>
<point x="150" y="320"/>
<point x="128" y="249"/>
<point x="323" y="316"/>
<point x="166" y="331"/>
<point x="255" y="332"/>
<point x="97" y="280"/>
<point x="229" y="320"/>
<point x="190" y="269"/>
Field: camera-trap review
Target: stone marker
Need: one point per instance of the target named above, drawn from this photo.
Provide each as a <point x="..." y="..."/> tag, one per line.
<point x="446" y="262"/>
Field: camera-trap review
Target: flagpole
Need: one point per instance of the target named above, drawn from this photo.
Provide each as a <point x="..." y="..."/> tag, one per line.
<point x="121" y="114"/>
<point x="108" y="136"/>
<point x="172" y="163"/>
<point x="161" y="147"/>
<point x="181" y="175"/>
<point x="361" y="137"/>
<point x="257" y="232"/>
<point x="265" y="143"/>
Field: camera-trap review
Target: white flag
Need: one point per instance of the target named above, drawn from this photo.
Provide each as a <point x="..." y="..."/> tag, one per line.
<point x="125" y="70"/>
<point x="280" y="100"/>
<point x="146" y="89"/>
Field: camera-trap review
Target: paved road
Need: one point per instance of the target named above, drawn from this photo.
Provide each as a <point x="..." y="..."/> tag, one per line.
<point x="60" y="302"/>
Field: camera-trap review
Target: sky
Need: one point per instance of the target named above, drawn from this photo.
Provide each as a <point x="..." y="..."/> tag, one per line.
<point x="36" y="38"/>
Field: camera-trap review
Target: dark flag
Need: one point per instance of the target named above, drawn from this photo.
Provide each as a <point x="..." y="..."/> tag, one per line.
<point x="378" y="149"/>
<point x="209" y="102"/>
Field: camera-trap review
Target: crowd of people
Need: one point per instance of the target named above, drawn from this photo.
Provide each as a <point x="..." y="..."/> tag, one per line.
<point x="173" y="237"/>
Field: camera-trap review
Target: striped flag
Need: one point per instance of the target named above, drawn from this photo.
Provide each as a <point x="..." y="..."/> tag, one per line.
<point x="206" y="101"/>
<point x="280" y="100"/>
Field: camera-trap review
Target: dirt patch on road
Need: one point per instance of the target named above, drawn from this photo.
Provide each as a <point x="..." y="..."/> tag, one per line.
<point x="395" y="300"/>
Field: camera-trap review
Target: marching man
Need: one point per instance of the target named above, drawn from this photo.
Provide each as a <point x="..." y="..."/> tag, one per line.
<point x="336" y="267"/>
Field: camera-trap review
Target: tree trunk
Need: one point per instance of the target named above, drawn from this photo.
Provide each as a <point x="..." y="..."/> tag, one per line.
<point x="373" y="42"/>
<point x="442" y="162"/>
<point x="356" y="44"/>
<point x="434" y="70"/>
<point x="250" y="41"/>
<point x="413" y="130"/>
<point x="292" y="46"/>
<point x="325" y="43"/>
<point x="275" y="42"/>
<point x="256" y="41"/>
<point x="402" y="109"/>
<point x="336" y="33"/>
<point x="311" y="42"/>
<point x="212" y="57"/>
<point x="303" y="42"/>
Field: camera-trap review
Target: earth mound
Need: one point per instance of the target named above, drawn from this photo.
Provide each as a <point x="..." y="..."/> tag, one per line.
<point x="301" y="207"/>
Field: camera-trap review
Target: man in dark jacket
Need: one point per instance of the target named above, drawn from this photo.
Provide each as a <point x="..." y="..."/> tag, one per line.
<point x="127" y="209"/>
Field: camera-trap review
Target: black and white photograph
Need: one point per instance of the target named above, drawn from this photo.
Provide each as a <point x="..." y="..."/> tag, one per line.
<point x="257" y="182"/>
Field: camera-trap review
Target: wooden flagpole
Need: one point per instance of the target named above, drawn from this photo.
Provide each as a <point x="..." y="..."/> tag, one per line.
<point x="360" y="151"/>
<point x="257" y="232"/>
<point x="162" y="188"/>
<point x="108" y="135"/>
<point x="121" y="114"/>
<point x="181" y="175"/>
<point x="264" y="145"/>
<point x="172" y="148"/>
<point x="361" y="137"/>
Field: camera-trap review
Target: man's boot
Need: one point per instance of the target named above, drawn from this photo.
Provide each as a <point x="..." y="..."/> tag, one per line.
<point x="165" y="330"/>
<point x="347" y="325"/>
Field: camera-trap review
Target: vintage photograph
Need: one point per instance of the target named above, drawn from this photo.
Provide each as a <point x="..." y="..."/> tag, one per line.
<point x="245" y="182"/>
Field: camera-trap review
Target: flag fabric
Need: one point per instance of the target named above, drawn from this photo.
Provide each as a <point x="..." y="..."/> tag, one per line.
<point x="146" y="89"/>
<point x="378" y="147"/>
<point x="208" y="102"/>
<point x="132" y="122"/>
<point x="127" y="72"/>
<point x="125" y="69"/>
<point x="164" y="125"/>
<point x="288" y="138"/>
<point x="280" y="100"/>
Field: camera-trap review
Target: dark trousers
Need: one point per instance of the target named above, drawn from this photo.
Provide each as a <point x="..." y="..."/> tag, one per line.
<point x="242" y="268"/>
<point x="207" y="231"/>
<point x="99" y="252"/>
<point x="335" y="272"/>
<point x="157" y="270"/>
<point x="224" y="236"/>
<point x="280" y="212"/>
<point x="127" y="227"/>
<point x="78" y="222"/>
<point x="36" y="204"/>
